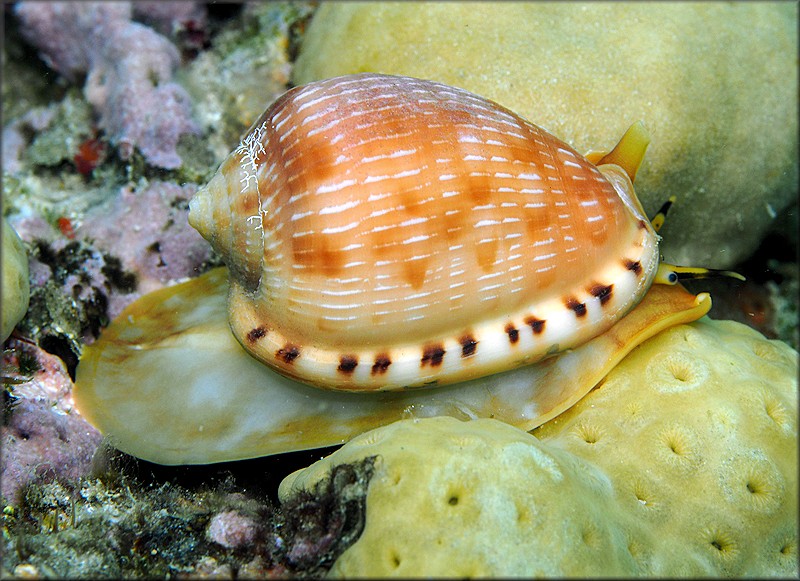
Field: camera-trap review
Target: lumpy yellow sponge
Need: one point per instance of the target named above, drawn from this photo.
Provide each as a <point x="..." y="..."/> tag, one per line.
<point x="16" y="287"/>
<point x="692" y="71"/>
<point x="683" y="462"/>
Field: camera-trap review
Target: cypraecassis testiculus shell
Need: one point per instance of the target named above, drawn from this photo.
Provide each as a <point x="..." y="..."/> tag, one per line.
<point x="384" y="232"/>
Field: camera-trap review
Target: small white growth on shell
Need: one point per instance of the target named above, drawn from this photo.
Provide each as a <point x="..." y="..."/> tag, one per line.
<point x="249" y="148"/>
<point x="255" y="218"/>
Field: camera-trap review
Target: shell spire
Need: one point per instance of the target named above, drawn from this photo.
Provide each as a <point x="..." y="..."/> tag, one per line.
<point x="230" y="219"/>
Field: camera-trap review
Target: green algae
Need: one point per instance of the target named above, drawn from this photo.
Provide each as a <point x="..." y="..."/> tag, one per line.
<point x="126" y="522"/>
<point x="245" y="69"/>
<point x="71" y="125"/>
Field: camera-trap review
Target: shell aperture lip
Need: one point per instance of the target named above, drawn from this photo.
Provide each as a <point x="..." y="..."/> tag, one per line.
<point x="167" y="382"/>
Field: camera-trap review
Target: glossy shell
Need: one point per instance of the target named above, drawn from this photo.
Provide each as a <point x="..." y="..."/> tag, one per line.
<point x="385" y="232"/>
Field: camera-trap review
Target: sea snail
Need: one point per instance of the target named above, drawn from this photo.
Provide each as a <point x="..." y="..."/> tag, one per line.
<point x="385" y="232"/>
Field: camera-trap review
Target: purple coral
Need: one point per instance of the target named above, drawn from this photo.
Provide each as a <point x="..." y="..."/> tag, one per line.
<point x="231" y="529"/>
<point x="14" y="141"/>
<point x="148" y="230"/>
<point x="129" y="68"/>
<point x="137" y="242"/>
<point x="169" y="16"/>
<point x="44" y="438"/>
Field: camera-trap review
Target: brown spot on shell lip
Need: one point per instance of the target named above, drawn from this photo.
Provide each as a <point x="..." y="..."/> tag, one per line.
<point x="347" y="364"/>
<point x="633" y="265"/>
<point x="602" y="292"/>
<point x="382" y="363"/>
<point x="256" y="334"/>
<point x="288" y="353"/>
<point x="433" y="355"/>
<point x="468" y="345"/>
<point x="573" y="304"/>
<point x="537" y="325"/>
<point x="513" y="333"/>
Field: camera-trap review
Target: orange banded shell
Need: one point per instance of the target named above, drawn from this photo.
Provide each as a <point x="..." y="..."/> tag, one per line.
<point x="384" y="232"/>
